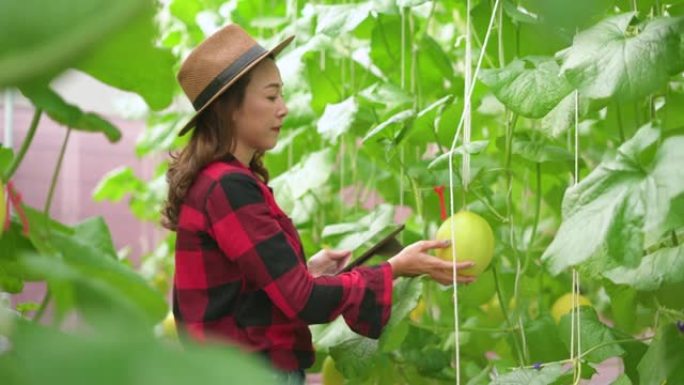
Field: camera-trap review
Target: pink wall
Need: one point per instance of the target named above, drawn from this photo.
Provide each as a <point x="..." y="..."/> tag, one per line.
<point x="88" y="158"/>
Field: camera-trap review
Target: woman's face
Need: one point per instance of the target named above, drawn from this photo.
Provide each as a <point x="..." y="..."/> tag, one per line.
<point x="259" y="119"/>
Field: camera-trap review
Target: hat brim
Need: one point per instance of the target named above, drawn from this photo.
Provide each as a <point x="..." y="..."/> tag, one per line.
<point x="274" y="51"/>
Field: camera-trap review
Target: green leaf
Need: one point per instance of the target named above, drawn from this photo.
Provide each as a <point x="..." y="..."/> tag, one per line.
<point x="543" y="341"/>
<point x="621" y="207"/>
<point x="392" y="121"/>
<point x="121" y="355"/>
<point x="548" y="374"/>
<point x="38" y="45"/>
<point x="294" y="188"/>
<point x="339" y="19"/>
<point x="326" y="336"/>
<point x="116" y="184"/>
<point x="662" y="363"/>
<point x="386" y="95"/>
<point x="6" y="156"/>
<point x="95" y="232"/>
<point x="130" y="61"/>
<point x="531" y="86"/>
<point x="96" y="279"/>
<point x="592" y="334"/>
<point x="537" y="149"/>
<point x="423" y="128"/>
<point x="406" y="292"/>
<point x="410" y="3"/>
<point x="622" y="380"/>
<point x="370" y="228"/>
<point x="623" y="305"/>
<point x="519" y="14"/>
<point x="354" y="357"/>
<point x="474" y="147"/>
<point x="617" y="59"/>
<point x="385" y="47"/>
<point x="13" y="244"/>
<point x="569" y="15"/>
<point x="337" y="119"/>
<point x="561" y="117"/>
<point x="160" y="134"/>
<point x="69" y="115"/>
<point x="663" y="267"/>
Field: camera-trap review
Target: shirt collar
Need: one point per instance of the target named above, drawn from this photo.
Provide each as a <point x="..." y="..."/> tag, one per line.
<point x="236" y="162"/>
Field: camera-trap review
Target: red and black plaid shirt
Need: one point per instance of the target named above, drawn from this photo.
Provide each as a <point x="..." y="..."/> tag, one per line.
<point x="241" y="273"/>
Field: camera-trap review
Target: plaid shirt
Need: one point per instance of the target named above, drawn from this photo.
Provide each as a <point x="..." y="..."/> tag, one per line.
<point x="241" y="274"/>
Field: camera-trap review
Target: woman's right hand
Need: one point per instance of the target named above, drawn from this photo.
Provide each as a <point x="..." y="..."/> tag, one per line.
<point x="414" y="260"/>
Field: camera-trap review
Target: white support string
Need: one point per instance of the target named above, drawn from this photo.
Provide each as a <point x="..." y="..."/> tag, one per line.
<point x="467" y="108"/>
<point x="468" y="95"/>
<point x="403" y="87"/>
<point x="576" y="330"/>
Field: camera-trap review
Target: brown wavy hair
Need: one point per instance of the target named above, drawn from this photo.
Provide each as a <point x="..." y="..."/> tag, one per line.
<point x="212" y="139"/>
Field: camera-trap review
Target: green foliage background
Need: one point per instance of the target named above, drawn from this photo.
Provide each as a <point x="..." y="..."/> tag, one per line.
<point x="376" y="91"/>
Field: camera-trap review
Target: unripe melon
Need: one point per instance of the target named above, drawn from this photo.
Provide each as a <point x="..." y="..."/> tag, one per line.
<point x="474" y="241"/>
<point x="564" y="304"/>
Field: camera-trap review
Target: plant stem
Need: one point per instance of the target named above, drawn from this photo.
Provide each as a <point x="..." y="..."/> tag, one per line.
<point x="535" y="224"/>
<point x="619" y="119"/>
<point x="504" y="310"/>
<point x="675" y="240"/>
<point x="55" y="175"/>
<point x="43" y="305"/>
<point x="46" y="212"/>
<point x="24" y="146"/>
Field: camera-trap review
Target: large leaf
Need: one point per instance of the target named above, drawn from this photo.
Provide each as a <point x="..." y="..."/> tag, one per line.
<point x="369" y="228"/>
<point x="662" y="363"/>
<point x="294" y="188"/>
<point x="531" y="86"/>
<point x="84" y="270"/>
<point x="663" y="267"/>
<point x="621" y="207"/>
<point x="406" y="293"/>
<point x="53" y="35"/>
<point x="543" y="341"/>
<point x="548" y="374"/>
<point x="615" y="58"/>
<point x="12" y="244"/>
<point x="334" y="20"/>
<point x="116" y="184"/>
<point x="592" y="334"/>
<point x="130" y="61"/>
<point x="537" y="149"/>
<point x="392" y="121"/>
<point x="355" y="357"/>
<point x="69" y="115"/>
<point x="337" y="119"/>
<point x="122" y="355"/>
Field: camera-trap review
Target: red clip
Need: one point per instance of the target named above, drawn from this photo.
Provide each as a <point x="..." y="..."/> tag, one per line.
<point x="440" y="193"/>
<point x="15" y="198"/>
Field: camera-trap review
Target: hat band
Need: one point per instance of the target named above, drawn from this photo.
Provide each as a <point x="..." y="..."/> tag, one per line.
<point x="227" y="75"/>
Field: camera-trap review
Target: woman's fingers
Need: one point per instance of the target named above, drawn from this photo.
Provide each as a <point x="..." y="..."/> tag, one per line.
<point x="433" y="244"/>
<point x="442" y="264"/>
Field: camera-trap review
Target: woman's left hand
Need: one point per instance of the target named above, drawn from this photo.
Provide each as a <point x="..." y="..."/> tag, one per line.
<point x="328" y="262"/>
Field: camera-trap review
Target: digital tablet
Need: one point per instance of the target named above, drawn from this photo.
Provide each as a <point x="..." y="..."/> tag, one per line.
<point x="388" y="245"/>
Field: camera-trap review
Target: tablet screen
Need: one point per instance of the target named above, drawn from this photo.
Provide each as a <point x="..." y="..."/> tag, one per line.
<point x="386" y="245"/>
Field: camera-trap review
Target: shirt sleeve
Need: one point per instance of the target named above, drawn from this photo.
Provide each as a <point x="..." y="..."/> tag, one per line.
<point x="241" y="222"/>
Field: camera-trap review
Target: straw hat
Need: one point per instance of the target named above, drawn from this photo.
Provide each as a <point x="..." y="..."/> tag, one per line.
<point x="217" y="62"/>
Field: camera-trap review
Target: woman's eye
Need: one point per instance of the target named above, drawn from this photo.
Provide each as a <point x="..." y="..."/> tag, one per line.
<point x="272" y="98"/>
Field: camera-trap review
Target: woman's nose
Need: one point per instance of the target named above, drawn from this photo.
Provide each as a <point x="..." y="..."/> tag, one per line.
<point x="283" y="111"/>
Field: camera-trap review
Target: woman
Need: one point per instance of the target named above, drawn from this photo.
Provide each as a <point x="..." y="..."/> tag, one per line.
<point x="241" y="274"/>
